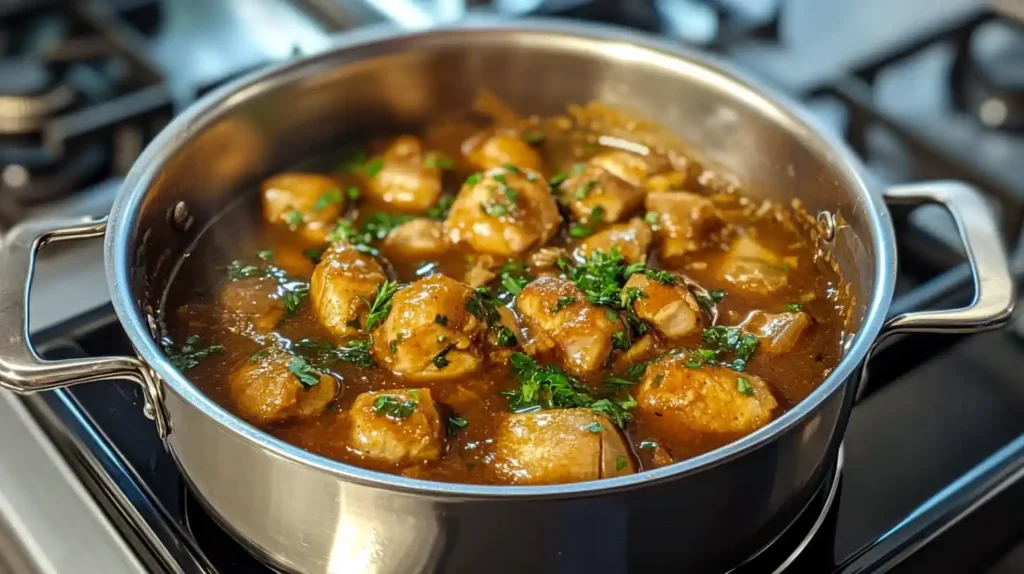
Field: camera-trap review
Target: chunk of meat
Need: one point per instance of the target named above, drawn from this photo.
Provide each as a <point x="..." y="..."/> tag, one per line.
<point x="544" y="261"/>
<point x="252" y="303"/>
<point x="684" y="219"/>
<point x="420" y="238"/>
<point x="611" y="181"/>
<point x="266" y="390"/>
<point x="633" y="239"/>
<point x="405" y="180"/>
<point x="479" y="270"/>
<point x="309" y="203"/>
<point x="505" y="149"/>
<point x="429" y="335"/>
<point x="340" y="283"/>
<point x="558" y="446"/>
<point x="671" y="308"/>
<point x="503" y="212"/>
<point x="708" y="399"/>
<point x="753" y="269"/>
<point x="557" y="316"/>
<point x="396" y="427"/>
<point x="777" y="332"/>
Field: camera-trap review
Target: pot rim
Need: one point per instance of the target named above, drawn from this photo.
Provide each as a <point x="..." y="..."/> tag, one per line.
<point x="611" y="41"/>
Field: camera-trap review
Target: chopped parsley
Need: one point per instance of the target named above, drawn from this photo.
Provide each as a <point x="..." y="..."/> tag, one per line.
<point x="794" y="307"/>
<point x="293" y="218"/>
<point x="313" y="255"/>
<point x="353" y="163"/>
<point x="594" y="427"/>
<point x="327" y="199"/>
<point x="579" y="167"/>
<point x="292" y="298"/>
<point x="381" y="305"/>
<point x="506" y="338"/>
<point x="440" y="360"/>
<point x="514" y="276"/>
<point x="620" y="340"/>
<point x="376" y="227"/>
<point x="440" y="209"/>
<point x="563" y="303"/>
<point x="661" y="276"/>
<point x="258" y="356"/>
<point x="373" y="167"/>
<point x="484" y="307"/>
<point x="441" y="320"/>
<point x="393" y="346"/>
<point x="648" y="445"/>
<point x="494" y="209"/>
<point x="473" y="179"/>
<point x="394" y="408"/>
<point x="548" y="387"/>
<point x="601" y="278"/>
<point x="580" y="230"/>
<point x="744" y="387"/>
<point x="265" y="254"/>
<point x="619" y="381"/>
<point x="188" y="355"/>
<point x="304" y="372"/>
<point x="616" y="410"/>
<point x="455" y="424"/>
<point x="620" y="462"/>
<point x="533" y="137"/>
<point x="724" y="340"/>
<point x="357" y="351"/>
<point x="584" y="190"/>
<point x="651" y="217"/>
<point x="353" y="193"/>
<point x="237" y="271"/>
<point x="439" y="161"/>
<point x="558" y="178"/>
<point x="717" y="294"/>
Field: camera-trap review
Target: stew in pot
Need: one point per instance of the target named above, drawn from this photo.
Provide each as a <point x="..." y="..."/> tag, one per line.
<point x="507" y="300"/>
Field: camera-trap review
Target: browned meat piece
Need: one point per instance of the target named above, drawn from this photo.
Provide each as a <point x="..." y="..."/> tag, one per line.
<point x="266" y="390"/>
<point x="558" y="316"/>
<point x="306" y="202"/>
<point x="420" y="238"/>
<point x="633" y="239"/>
<point x="396" y="427"/>
<point x="753" y="269"/>
<point x="503" y="212"/>
<point x="707" y="399"/>
<point x="777" y="332"/>
<point x="253" y="304"/>
<point x="557" y="446"/>
<point x="403" y="178"/>
<point x="502" y="149"/>
<point x="611" y="180"/>
<point x="341" y="281"/>
<point x="429" y="334"/>
<point x="672" y="309"/>
<point x="684" y="219"/>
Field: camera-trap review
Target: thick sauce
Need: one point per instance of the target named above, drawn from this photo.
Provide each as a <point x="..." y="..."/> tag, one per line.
<point x="726" y="319"/>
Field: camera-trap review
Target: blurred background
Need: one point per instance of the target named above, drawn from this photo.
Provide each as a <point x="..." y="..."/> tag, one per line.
<point x="918" y="88"/>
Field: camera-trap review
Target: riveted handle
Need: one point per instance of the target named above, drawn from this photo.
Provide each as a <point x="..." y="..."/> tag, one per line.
<point x="994" y="290"/>
<point x="22" y="370"/>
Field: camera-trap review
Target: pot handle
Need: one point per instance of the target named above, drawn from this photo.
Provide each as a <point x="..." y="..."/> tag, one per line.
<point x="22" y="370"/>
<point x="994" y="290"/>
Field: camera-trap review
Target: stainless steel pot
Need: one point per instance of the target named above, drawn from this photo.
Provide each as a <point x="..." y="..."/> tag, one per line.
<point x="301" y="512"/>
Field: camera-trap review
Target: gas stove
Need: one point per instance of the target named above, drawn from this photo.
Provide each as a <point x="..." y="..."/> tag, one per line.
<point x="930" y="479"/>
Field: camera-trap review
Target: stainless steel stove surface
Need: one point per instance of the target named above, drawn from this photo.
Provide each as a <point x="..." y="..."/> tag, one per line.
<point x="934" y="454"/>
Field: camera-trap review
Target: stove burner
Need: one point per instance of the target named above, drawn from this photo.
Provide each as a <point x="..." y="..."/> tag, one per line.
<point x="29" y="95"/>
<point x="988" y="77"/>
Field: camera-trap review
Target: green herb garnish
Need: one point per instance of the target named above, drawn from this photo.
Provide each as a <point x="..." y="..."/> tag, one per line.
<point x="651" y="217"/>
<point x="353" y="193"/>
<point x="304" y="372"/>
<point x="326" y="199"/>
<point x="558" y="178"/>
<point x="258" y="356"/>
<point x="441" y="320"/>
<point x="455" y="424"/>
<point x="293" y="218"/>
<point x="313" y="255"/>
<point x="723" y="340"/>
<point x="620" y="462"/>
<point x="594" y="427"/>
<point x="506" y="338"/>
<point x="533" y="137"/>
<point x="441" y="209"/>
<point x="381" y="305"/>
<point x="188" y="355"/>
<point x="394" y="408"/>
<point x="794" y="307"/>
<point x="439" y="161"/>
<point x="744" y="387"/>
<point x="373" y="167"/>
<point x="563" y="302"/>
<point x="440" y="360"/>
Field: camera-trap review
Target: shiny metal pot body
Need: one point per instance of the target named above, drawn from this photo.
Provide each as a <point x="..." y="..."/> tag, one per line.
<point x="305" y="513"/>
